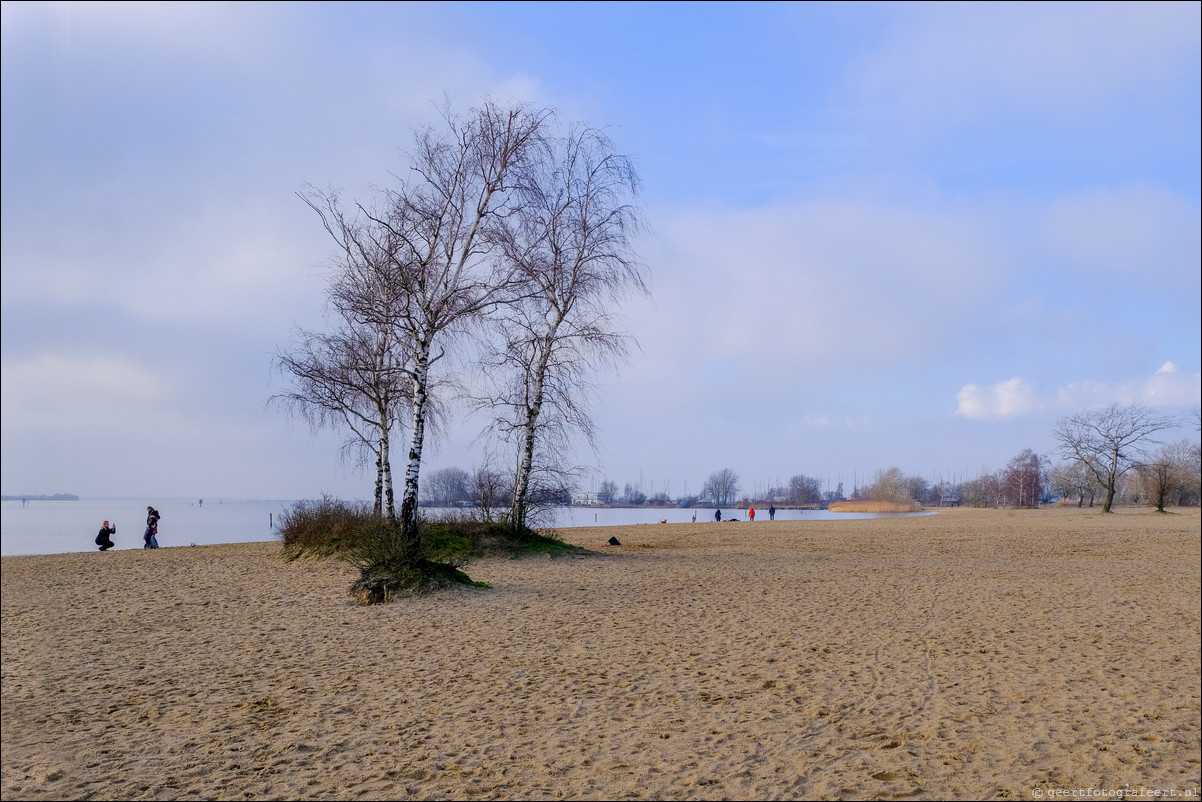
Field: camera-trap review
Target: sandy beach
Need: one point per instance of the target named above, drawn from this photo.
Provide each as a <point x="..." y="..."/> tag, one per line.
<point x="972" y="654"/>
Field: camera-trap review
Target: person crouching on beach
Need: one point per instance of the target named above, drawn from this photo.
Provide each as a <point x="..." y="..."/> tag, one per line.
<point x="105" y="539"/>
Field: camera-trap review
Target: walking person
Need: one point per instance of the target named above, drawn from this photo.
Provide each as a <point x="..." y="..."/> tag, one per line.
<point x="771" y="512"/>
<point x="150" y="537"/>
<point x="105" y="538"/>
<point x="751" y="515"/>
<point x="718" y="515"/>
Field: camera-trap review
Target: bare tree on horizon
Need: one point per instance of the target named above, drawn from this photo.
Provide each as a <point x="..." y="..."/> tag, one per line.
<point x="722" y="487"/>
<point x="448" y="487"/>
<point x="1024" y="479"/>
<point x="1109" y="442"/>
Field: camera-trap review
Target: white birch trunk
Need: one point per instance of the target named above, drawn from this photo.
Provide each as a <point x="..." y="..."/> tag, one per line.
<point x="421" y="376"/>
<point x="521" y="485"/>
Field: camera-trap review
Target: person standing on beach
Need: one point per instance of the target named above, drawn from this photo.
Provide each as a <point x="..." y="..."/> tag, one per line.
<point x="771" y="512"/>
<point x="718" y="516"/>
<point x="105" y="539"/>
<point x="751" y="515"/>
<point x="151" y="536"/>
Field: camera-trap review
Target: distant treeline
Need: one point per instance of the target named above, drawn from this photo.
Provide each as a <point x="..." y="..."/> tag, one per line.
<point x="55" y="497"/>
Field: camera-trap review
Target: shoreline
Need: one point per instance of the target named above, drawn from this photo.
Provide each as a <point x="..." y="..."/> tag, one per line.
<point x="973" y="654"/>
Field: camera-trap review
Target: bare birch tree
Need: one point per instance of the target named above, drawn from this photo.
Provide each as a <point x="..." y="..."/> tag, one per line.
<point x="354" y="376"/>
<point x="570" y="243"/>
<point x="1109" y="442"/>
<point x="1024" y="479"/>
<point x="436" y="234"/>
<point x="446" y="221"/>
<point x="349" y="379"/>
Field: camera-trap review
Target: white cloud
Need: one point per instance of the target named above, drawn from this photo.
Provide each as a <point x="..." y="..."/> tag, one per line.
<point x="214" y="270"/>
<point x="959" y="62"/>
<point x="821" y="284"/>
<point x="1134" y="231"/>
<point x="1005" y="399"/>
<point x="828" y="421"/>
<point x="181" y="23"/>
<point x="811" y="293"/>
<point x="1167" y="387"/>
<point x="1170" y="387"/>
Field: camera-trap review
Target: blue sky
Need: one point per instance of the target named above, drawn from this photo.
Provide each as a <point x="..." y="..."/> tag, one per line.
<point x="880" y="234"/>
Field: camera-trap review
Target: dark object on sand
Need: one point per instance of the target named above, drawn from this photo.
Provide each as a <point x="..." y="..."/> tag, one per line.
<point x="613" y="541"/>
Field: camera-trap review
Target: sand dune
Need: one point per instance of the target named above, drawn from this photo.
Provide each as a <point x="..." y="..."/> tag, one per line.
<point x="973" y="654"/>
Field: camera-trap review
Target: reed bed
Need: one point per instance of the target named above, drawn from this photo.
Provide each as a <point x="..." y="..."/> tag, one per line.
<point x="875" y="506"/>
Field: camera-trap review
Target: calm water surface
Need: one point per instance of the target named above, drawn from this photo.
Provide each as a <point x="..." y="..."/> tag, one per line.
<point x="57" y="527"/>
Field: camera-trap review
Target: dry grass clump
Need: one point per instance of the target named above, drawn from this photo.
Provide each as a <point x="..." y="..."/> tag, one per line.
<point x="875" y="506"/>
<point x="320" y="529"/>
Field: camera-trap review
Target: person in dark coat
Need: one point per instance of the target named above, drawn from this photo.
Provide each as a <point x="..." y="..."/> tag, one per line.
<point x="105" y="539"/>
<point x="717" y="515"/>
<point x="150" y="537"/>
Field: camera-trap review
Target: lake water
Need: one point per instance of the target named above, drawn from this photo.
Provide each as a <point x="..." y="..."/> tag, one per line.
<point x="57" y="527"/>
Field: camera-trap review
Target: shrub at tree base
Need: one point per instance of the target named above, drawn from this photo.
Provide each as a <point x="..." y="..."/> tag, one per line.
<point x="387" y="564"/>
<point x="388" y="569"/>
